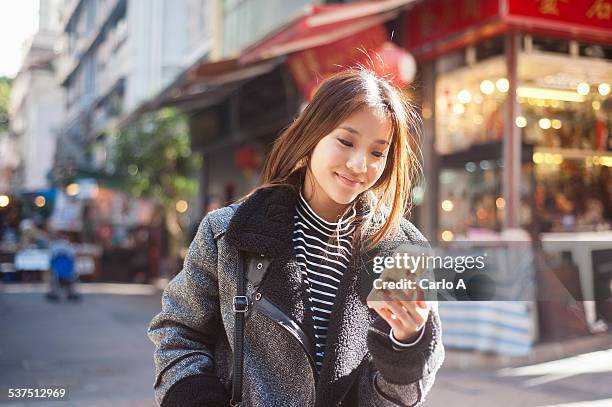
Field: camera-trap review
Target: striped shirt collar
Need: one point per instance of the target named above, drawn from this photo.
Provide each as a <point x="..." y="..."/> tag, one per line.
<point x="345" y="224"/>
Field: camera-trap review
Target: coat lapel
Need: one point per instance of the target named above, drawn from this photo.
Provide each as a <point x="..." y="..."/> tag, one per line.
<point x="263" y="224"/>
<point x="346" y="340"/>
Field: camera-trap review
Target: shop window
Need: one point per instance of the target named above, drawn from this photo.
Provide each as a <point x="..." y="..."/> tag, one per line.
<point x="470" y="198"/>
<point x="564" y="113"/>
<point x="596" y="51"/>
<point x="470" y="109"/>
<point x="470" y="105"/>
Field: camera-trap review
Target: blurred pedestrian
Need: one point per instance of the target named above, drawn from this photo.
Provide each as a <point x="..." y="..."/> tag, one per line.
<point x="336" y="184"/>
<point x="63" y="269"/>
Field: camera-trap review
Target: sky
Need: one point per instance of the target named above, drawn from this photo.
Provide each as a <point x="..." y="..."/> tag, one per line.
<point x="18" y="21"/>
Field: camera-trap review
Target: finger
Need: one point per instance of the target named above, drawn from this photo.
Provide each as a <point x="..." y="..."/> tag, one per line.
<point x="388" y="316"/>
<point x="411" y="315"/>
<point x="400" y="313"/>
<point x="418" y="314"/>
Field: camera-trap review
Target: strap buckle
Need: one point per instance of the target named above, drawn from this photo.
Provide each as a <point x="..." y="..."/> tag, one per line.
<point x="240" y="303"/>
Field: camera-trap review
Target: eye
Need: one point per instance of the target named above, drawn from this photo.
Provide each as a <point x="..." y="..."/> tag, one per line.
<point x="345" y="142"/>
<point x="378" y="154"/>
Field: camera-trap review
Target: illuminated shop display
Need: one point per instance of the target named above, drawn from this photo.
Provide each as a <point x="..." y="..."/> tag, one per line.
<point x="470" y="103"/>
<point x="565" y="110"/>
<point x="470" y="106"/>
<point x="563" y="113"/>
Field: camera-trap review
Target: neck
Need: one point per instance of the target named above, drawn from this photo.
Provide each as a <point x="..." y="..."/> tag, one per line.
<point x="320" y="203"/>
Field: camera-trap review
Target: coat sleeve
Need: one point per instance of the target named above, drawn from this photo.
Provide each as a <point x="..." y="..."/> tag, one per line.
<point x="185" y="331"/>
<point x="401" y="377"/>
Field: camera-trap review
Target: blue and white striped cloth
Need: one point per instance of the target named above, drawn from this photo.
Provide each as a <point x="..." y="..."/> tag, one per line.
<point x="502" y="327"/>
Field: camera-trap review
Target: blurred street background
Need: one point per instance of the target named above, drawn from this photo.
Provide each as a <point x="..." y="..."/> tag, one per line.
<point x="123" y="122"/>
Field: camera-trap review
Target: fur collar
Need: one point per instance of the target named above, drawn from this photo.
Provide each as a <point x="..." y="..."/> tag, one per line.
<point x="263" y="223"/>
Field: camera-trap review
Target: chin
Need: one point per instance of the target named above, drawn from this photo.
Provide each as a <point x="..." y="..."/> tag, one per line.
<point x="342" y="198"/>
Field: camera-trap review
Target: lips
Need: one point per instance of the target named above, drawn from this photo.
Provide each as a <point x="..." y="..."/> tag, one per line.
<point x="348" y="181"/>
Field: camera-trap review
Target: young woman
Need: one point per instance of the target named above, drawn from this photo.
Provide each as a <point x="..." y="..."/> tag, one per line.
<point x="335" y="186"/>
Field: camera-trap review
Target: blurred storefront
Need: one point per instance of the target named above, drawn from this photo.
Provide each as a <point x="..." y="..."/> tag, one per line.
<point x="519" y="107"/>
<point x="115" y="237"/>
<point x="515" y="100"/>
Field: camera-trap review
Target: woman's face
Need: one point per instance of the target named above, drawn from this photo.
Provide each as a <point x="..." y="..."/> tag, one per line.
<point x="350" y="159"/>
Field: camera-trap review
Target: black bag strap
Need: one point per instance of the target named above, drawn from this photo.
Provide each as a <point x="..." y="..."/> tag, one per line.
<point x="241" y="306"/>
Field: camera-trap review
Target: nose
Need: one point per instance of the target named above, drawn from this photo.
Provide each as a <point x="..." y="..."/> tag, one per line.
<point x="357" y="162"/>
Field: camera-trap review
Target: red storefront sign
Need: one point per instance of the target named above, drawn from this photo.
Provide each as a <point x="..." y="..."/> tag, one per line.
<point x="368" y="48"/>
<point x="327" y="38"/>
<point x="589" y="16"/>
<point x="433" y="20"/>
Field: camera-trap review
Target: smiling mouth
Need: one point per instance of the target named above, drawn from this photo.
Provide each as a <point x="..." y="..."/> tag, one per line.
<point x="348" y="181"/>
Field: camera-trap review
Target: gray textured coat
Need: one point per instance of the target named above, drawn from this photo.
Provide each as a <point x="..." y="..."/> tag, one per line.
<point x="194" y="332"/>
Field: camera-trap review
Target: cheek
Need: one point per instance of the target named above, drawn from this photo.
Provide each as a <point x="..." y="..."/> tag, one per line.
<point x="331" y="154"/>
<point x="336" y="153"/>
<point x="375" y="170"/>
<point x="324" y="157"/>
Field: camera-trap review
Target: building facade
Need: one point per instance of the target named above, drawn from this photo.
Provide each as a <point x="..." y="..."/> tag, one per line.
<point x="115" y="56"/>
<point x="36" y="104"/>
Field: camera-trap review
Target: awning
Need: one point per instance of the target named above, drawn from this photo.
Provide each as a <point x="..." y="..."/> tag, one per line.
<point x="325" y="39"/>
<point x="208" y="83"/>
<point x="319" y="25"/>
<point x="204" y="84"/>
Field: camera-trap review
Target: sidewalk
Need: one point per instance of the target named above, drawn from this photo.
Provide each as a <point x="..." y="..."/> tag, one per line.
<point x="543" y="352"/>
<point x="97" y="349"/>
<point x="83" y="288"/>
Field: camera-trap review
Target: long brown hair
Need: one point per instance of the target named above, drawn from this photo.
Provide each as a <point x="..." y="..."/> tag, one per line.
<point x="337" y="98"/>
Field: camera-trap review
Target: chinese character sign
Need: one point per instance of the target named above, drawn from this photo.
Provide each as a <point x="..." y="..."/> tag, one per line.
<point x="590" y="14"/>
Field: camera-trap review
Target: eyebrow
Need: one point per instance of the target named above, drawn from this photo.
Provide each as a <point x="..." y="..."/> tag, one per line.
<point x="353" y="131"/>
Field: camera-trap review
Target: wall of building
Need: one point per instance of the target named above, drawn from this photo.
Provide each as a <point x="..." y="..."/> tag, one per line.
<point x="37" y="103"/>
<point x="247" y="21"/>
<point x="161" y="40"/>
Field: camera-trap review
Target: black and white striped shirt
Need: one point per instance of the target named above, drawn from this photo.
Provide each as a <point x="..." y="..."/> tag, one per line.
<point x="323" y="250"/>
